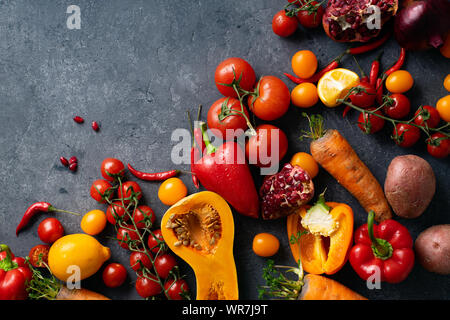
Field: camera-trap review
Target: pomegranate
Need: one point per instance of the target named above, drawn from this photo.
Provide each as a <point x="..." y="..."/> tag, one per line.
<point x="354" y="20"/>
<point x="284" y="192"/>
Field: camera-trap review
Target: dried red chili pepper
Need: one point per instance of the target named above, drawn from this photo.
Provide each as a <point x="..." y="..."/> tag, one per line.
<point x="370" y="46"/>
<point x="398" y="64"/>
<point x="153" y="176"/>
<point x="78" y="119"/>
<point x="34" y="209"/>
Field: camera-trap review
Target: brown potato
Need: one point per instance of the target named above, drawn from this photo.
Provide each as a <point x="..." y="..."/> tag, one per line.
<point x="409" y="186"/>
<point x="432" y="249"/>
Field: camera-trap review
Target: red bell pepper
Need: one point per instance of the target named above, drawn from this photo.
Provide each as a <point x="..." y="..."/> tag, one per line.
<point x="224" y="170"/>
<point x="387" y="247"/>
<point x="14" y="275"/>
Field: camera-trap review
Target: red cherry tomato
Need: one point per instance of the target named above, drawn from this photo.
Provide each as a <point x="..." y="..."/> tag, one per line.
<point x="427" y="115"/>
<point x="232" y="122"/>
<point x="282" y="25"/>
<point x="139" y="260"/>
<point x="154" y="241"/>
<point x="369" y="123"/>
<point x="39" y="255"/>
<point x="143" y="216"/>
<point x="175" y="289"/>
<point x="101" y="189"/>
<point x="50" y="230"/>
<point x="114" y="275"/>
<point x="311" y="19"/>
<point x="438" y="145"/>
<point x="234" y="70"/>
<point x="273" y="99"/>
<point x="112" y="168"/>
<point x="398" y="106"/>
<point x="164" y="264"/>
<point x="364" y="96"/>
<point x="406" y="135"/>
<point x="146" y="287"/>
<point x="116" y="209"/>
<point x="259" y="148"/>
<point x="125" y="236"/>
<point x="128" y="189"/>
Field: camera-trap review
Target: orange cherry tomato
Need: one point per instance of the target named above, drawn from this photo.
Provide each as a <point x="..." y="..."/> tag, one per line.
<point x="93" y="222"/>
<point x="399" y="81"/>
<point x="304" y="95"/>
<point x="304" y="63"/>
<point x="443" y="107"/>
<point x="171" y="191"/>
<point x="306" y="162"/>
<point x="447" y="82"/>
<point x="445" y="48"/>
<point x="265" y="244"/>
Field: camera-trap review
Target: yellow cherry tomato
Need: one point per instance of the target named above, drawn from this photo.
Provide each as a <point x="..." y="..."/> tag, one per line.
<point x="306" y="162"/>
<point x="399" y="81"/>
<point x="93" y="222"/>
<point x="265" y="244"/>
<point x="447" y="82"/>
<point x="443" y="107"/>
<point x="304" y="63"/>
<point x="171" y="191"/>
<point x="304" y="95"/>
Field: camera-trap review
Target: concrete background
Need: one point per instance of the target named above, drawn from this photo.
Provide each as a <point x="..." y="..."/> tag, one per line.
<point x="136" y="67"/>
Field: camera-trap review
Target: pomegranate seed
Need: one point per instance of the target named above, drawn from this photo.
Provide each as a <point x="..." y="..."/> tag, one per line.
<point x="95" y="126"/>
<point x="73" y="160"/>
<point x="64" y="161"/>
<point x="73" y="166"/>
<point x="78" y="119"/>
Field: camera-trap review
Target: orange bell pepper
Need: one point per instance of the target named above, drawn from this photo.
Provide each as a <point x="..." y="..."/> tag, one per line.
<point x="325" y="246"/>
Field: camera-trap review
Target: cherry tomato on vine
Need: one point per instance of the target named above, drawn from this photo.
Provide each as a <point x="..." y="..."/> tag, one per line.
<point x="304" y="95"/>
<point x="406" y="135"/>
<point x="398" y="106"/>
<point x="112" y="168"/>
<point x="164" y="264"/>
<point x="311" y="17"/>
<point x="139" y="259"/>
<point x="154" y="241"/>
<point x="143" y="214"/>
<point x="175" y="289"/>
<point x="363" y="96"/>
<point x="50" y="230"/>
<point x="128" y="189"/>
<point x="304" y="63"/>
<point x="116" y="209"/>
<point x="369" y="123"/>
<point x="147" y="288"/>
<point x="171" y="191"/>
<point x="443" y="107"/>
<point x="101" y="189"/>
<point x="222" y="121"/>
<point x="93" y="222"/>
<point x="282" y="25"/>
<point x="399" y="81"/>
<point x="125" y="237"/>
<point x="259" y="149"/>
<point x="265" y="244"/>
<point x="438" y="145"/>
<point x="39" y="255"/>
<point x="427" y="115"/>
<point x="306" y="162"/>
<point x="114" y="275"/>
<point x="234" y="70"/>
<point x="272" y="100"/>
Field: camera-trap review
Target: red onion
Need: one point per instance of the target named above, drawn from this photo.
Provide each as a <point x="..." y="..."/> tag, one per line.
<point x="422" y="24"/>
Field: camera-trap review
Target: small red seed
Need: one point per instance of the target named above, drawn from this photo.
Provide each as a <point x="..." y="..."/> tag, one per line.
<point x="78" y="119"/>
<point x="95" y="126"/>
<point x="64" y="161"/>
<point x="73" y="160"/>
<point x="73" y="166"/>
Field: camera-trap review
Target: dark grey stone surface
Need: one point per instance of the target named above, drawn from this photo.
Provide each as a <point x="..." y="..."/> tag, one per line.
<point x="136" y="67"/>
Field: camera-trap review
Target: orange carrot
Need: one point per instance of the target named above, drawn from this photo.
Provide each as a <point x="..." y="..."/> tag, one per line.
<point x="333" y="152"/>
<point x="79" y="294"/>
<point x="316" y="287"/>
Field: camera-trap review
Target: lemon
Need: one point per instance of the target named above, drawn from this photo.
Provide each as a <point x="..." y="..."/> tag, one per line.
<point x="335" y="84"/>
<point x="76" y="253"/>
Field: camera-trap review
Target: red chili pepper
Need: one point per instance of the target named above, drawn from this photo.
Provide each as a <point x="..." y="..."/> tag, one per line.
<point x="78" y="119"/>
<point x="398" y="64"/>
<point x="34" y="209"/>
<point x="346" y="110"/>
<point x="386" y="249"/>
<point x="14" y="275"/>
<point x="374" y="70"/>
<point x="153" y="176"/>
<point x="370" y="46"/>
<point x="195" y="155"/>
<point x="379" y="89"/>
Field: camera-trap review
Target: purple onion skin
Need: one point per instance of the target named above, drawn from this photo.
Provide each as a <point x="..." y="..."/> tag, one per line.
<point x="422" y="24"/>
